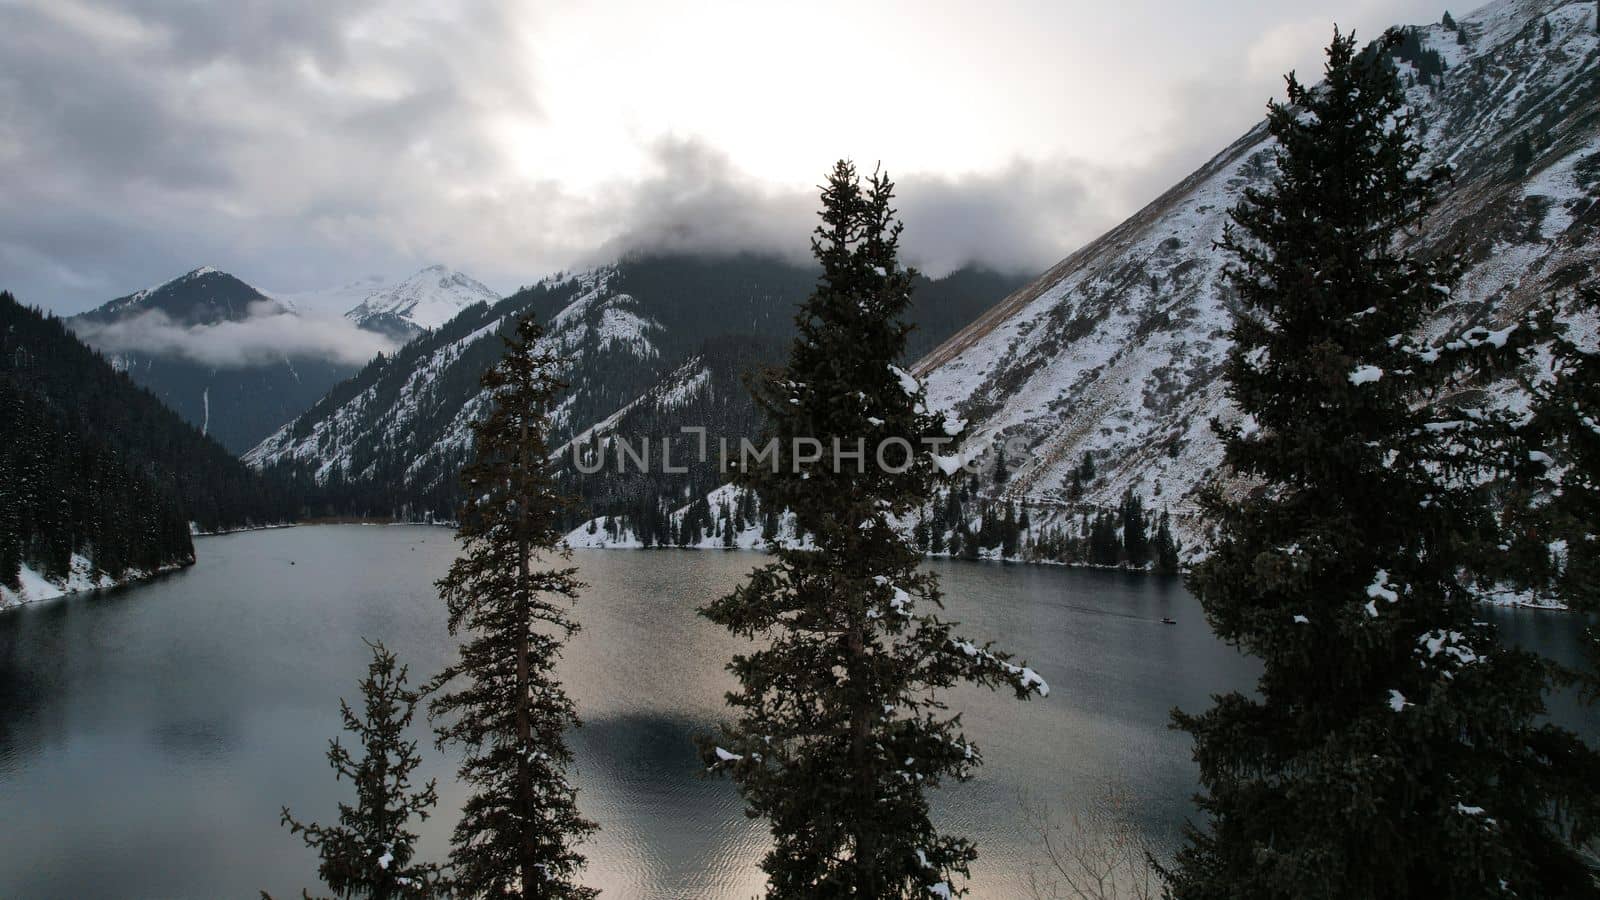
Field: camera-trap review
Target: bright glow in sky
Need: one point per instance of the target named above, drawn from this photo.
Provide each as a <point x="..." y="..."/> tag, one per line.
<point x="306" y="143"/>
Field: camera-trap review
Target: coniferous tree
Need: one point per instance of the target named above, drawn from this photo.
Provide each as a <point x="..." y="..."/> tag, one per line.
<point x="1565" y="436"/>
<point x="769" y="523"/>
<point x="840" y="731"/>
<point x="1009" y="532"/>
<point x="1105" y="548"/>
<point x="1135" y="540"/>
<point x="1521" y="156"/>
<point x="369" y="853"/>
<point x="1394" y="749"/>
<point x="1166" y="546"/>
<point x="500" y="700"/>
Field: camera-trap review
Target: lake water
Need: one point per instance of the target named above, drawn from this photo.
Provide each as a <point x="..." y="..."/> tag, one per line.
<point x="148" y="736"/>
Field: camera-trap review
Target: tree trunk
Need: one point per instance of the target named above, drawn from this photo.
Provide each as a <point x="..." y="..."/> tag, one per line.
<point x="524" y="802"/>
<point x="866" y="860"/>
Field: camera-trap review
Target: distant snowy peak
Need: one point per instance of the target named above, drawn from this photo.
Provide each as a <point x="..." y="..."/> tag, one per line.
<point x="424" y="301"/>
<point x="202" y="296"/>
<point x="331" y="302"/>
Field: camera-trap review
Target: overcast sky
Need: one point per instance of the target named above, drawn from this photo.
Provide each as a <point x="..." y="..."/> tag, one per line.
<point x="306" y="143"/>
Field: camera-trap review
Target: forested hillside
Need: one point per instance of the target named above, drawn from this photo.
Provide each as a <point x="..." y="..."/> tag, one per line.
<point x="98" y="480"/>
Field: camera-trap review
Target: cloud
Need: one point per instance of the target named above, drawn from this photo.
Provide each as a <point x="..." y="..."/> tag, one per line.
<point x="267" y="335"/>
<point x="302" y="138"/>
<point x="1024" y="217"/>
<point x="298" y="142"/>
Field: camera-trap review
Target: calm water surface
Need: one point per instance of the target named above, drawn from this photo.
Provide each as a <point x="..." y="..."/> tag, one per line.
<point x="148" y="736"/>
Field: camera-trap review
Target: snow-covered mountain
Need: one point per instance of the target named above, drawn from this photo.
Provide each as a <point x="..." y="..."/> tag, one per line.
<point x="239" y="362"/>
<point x="653" y="343"/>
<point x="1116" y="350"/>
<point x="424" y="301"/>
<point x="203" y="296"/>
<point x="204" y="343"/>
<point x="404" y="421"/>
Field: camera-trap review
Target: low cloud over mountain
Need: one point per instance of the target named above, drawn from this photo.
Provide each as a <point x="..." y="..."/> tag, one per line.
<point x="266" y="335"/>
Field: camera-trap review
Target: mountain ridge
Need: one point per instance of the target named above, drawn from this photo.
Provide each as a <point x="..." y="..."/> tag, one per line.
<point x="1115" y="350"/>
<point x="175" y="339"/>
<point x="1114" y="353"/>
<point x="402" y="426"/>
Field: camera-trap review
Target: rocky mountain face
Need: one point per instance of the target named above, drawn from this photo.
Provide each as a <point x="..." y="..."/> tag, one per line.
<point x="1115" y="352"/>
<point x="654" y="343"/>
<point x="1101" y="375"/>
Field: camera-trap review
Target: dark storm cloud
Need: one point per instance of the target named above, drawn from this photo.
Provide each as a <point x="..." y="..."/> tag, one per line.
<point x="252" y="30"/>
<point x="97" y="116"/>
<point x="697" y="201"/>
<point x="282" y="140"/>
<point x="295" y="143"/>
<point x="1021" y="218"/>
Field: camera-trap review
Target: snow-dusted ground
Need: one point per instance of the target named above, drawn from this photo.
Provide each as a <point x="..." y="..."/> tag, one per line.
<point x="35" y="587"/>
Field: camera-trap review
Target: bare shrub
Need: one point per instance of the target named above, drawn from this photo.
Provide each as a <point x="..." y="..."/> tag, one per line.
<point x="1100" y="854"/>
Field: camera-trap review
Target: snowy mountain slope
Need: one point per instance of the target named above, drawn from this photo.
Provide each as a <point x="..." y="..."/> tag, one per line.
<point x="422" y="302"/>
<point x="405" y="422"/>
<point x="392" y="437"/>
<point x="1116" y="350"/>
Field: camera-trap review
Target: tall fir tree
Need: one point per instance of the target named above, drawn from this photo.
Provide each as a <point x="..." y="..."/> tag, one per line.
<point x="500" y="700"/>
<point x="1393" y="748"/>
<point x="840" y="730"/>
<point x="369" y="853"/>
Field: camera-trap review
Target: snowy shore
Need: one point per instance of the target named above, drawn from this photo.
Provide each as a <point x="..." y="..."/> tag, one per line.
<point x="35" y="587"/>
